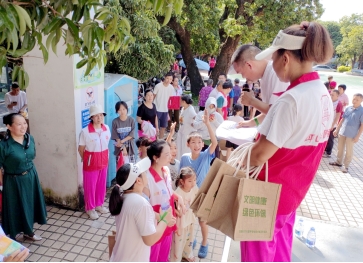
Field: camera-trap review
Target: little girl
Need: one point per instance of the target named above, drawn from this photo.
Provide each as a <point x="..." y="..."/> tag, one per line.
<point x="142" y="144"/>
<point x="182" y="246"/>
<point x="174" y="165"/>
<point x="135" y="219"/>
<point x="237" y="117"/>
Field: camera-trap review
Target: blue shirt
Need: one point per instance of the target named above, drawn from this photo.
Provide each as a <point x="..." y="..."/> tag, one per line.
<point x="352" y="120"/>
<point x="200" y="165"/>
<point x="231" y="94"/>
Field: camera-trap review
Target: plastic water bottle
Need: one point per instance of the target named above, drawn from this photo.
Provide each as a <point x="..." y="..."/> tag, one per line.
<point x="165" y="204"/>
<point x="299" y="229"/>
<point x="311" y="238"/>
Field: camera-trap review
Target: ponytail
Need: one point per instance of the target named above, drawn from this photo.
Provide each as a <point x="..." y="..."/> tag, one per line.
<point x="187" y="99"/>
<point x="317" y="47"/>
<point x="116" y="200"/>
<point x="236" y="109"/>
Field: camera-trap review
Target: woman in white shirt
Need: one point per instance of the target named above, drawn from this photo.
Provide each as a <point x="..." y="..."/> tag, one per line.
<point x="136" y="230"/>
<point x="186" y="120"/>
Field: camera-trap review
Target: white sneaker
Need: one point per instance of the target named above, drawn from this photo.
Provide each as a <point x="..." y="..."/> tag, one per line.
<point x="102" y="209"/>
<point x="33" y="237"/>
<point x="92" y="214"/>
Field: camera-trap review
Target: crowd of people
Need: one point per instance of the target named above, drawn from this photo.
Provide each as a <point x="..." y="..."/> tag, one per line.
<point x="297" y="121"/>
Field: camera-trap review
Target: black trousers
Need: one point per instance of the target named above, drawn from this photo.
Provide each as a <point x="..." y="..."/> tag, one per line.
<point x="330" y="144"/>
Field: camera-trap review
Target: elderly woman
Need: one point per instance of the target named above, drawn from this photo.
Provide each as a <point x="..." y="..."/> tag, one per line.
<point x="23" y="200"/>
<point x="93" y="149"/>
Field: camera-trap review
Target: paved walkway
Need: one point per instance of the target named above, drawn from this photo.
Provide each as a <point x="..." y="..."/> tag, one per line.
<point x="71" y="236"/>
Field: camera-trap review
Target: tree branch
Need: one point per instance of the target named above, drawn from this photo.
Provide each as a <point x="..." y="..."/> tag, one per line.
<point x="51" y="8"/>
<point x="11" y="58"/>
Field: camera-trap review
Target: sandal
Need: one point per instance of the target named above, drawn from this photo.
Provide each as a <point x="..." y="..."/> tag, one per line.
<point x="190" y="259"/>
<point x="335" y="164"/>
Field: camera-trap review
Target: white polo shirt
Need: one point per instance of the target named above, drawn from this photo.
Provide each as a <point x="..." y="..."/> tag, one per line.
<point x="271" y="86"/>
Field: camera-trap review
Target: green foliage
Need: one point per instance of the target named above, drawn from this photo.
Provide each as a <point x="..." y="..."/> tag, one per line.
<point x="334" y="31"/>
<point x="145" y="59"/>
<point x="23" y="24"/>
<point x="148" y="55"/>
<point x="344" y="69"/>
<point x="351" y="46"/>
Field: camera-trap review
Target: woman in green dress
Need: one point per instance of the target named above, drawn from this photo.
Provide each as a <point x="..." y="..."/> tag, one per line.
<point x="23" y="200"/>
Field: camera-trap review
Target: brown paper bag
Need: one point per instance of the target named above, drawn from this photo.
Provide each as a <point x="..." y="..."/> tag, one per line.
<point x="245" y="209"/>
<point x="111" y="242"/>
<point x="198" y="200"/>
<point x="206" y="206"/>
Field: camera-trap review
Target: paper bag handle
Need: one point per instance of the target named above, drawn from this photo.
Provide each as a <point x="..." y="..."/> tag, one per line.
<point x="239" y="154"/>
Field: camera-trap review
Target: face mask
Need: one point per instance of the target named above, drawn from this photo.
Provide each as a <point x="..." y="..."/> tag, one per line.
<point x="210" y="111"/>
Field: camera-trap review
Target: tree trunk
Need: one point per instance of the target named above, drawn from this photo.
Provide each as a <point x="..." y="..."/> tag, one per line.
<point x="224" y="59"/>
<point x="183" y="37"/>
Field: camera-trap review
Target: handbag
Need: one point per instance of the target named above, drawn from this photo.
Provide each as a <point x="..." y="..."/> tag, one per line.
<point x="174" y="103"/>
<point x="237" y="204"/>
<point x="254" y="203"/>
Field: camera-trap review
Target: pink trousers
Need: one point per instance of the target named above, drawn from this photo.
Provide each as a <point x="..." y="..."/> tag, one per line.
<point x="160" y="251"/>
<point x="94" y="185"/>
<point x="277" y="250"/>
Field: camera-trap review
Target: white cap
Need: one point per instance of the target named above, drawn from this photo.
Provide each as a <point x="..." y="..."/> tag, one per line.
<point x="96" y="109"/>
<point x="135" y="171"/>
<point x="281" y="41"/>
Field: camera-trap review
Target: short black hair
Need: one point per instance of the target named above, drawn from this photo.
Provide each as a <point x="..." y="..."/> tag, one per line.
<point x="118" y="105"/>
<point x="343" y="86"/>
<point x="14" y="85"/>
<point x="227" y="84"/>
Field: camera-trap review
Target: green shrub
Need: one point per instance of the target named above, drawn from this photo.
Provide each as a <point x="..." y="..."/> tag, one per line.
<point x="344" y="69"/>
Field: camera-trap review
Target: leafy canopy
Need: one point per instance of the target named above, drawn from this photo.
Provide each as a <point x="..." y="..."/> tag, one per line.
<point x="351" y="46"/>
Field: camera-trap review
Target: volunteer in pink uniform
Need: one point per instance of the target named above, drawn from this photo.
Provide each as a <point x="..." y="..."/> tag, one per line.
<point x="159" y="184"/>
<point x="294" y="132"/>
<point x="93" y="149"/>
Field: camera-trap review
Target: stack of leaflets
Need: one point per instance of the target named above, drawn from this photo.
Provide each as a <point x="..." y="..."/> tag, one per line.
<point x="8" y="246"/>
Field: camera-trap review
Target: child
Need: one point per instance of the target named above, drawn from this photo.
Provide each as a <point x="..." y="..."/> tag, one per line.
<point x="343" y="98"/>
<point x="349" y="129"/>
<point x="199" y="160"/>
<point x="237" y="113"/>
<point x="135" y="220"/>
<point x="186" y="119"/>
<point x="183" y="238"/>
<point x="338" y="110"/>
<point x="222" y="98"/>
<point x="174" y="165"/>
<point x="215" y="120"/>
<point x="142" y="143"/>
